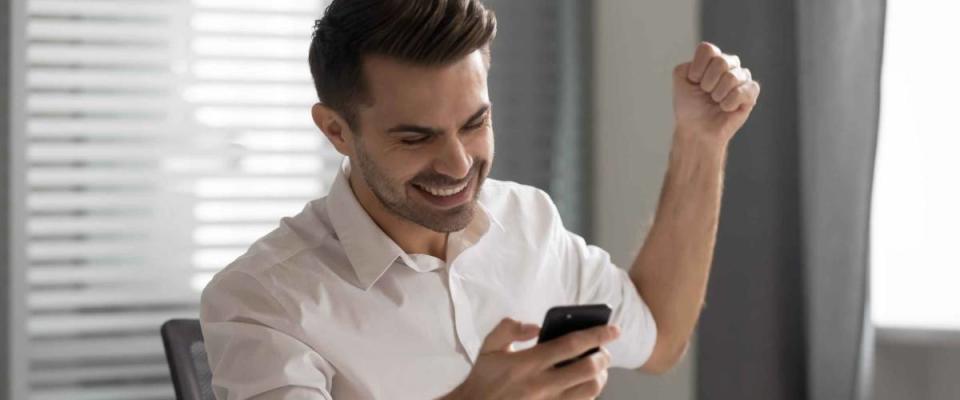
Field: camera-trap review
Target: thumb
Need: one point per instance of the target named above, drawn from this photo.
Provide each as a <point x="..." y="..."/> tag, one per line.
<point x="680" y="73"/>
<point x="507" y="332"/>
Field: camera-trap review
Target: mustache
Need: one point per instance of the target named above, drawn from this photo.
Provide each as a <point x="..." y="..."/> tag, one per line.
<point x="435" y="179"/>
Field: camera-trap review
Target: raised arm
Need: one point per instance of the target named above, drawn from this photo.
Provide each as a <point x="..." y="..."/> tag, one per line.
<point x="713" y="96"/>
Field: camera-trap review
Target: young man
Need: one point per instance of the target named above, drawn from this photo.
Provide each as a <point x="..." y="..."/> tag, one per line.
<point x="417" y="277"/>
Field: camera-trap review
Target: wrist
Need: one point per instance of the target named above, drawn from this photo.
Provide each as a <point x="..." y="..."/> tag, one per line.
<point x="690" y="136"/>
<point x="692" y="146"/>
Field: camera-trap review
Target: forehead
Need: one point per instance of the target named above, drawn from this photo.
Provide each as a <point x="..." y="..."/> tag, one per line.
<point x="427" y="94"/>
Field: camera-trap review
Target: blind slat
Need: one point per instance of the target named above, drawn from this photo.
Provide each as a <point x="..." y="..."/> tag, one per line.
<point x="96" y="30"/>
<point x="140" y="391"/>
<point x="92" y="275"/>
<point x="95" y="348"/>
<point x="62" y="78"/>
<point x="58" y="325"/>
<point x="91" y="55"/>
<point x="100" y="8"/>
<point x="61" y="376"/>
<point x="164" y="291"/>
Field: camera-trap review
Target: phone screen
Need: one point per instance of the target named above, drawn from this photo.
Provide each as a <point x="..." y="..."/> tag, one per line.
<point x="562" y="320"/>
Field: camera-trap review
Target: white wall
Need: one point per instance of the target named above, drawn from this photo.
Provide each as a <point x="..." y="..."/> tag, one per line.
<point x="636" y="45"/>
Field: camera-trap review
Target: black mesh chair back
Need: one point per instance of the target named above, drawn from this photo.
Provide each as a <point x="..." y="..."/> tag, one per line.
<point x="187" y="359"/>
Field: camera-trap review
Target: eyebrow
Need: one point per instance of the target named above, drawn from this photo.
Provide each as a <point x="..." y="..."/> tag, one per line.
<point x="426" y="130"/>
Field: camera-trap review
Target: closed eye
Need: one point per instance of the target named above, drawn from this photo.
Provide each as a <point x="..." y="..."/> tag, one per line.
<point x="415" y="139"/>
<point x="478" y="125"/>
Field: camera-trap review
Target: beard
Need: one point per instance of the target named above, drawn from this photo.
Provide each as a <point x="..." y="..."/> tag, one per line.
<point x="394" y="194"/>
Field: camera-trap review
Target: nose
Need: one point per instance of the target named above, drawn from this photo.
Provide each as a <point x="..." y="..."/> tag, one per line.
<point x="453" y="160"/>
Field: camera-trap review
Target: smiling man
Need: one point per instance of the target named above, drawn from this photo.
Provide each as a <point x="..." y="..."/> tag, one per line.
<point x="416" y="277"/>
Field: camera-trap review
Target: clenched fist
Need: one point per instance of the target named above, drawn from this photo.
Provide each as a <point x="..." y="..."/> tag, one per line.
<point x="713" y="94"/>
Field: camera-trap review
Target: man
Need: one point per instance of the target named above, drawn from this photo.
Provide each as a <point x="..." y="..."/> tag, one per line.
<point x="417" y="277"/>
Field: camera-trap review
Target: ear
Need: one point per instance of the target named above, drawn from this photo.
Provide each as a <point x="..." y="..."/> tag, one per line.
<point x="334" y="127"/>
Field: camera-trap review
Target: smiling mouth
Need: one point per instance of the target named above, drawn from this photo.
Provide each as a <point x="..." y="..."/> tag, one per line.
<point x="446" y="197"/>
<point x="444" y="191"/>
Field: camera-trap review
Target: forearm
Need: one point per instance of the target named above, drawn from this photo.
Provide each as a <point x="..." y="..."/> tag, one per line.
<point x="672" y="268"/>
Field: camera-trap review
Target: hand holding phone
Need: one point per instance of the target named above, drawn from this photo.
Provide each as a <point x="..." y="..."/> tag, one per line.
<point x="502" y="373"/>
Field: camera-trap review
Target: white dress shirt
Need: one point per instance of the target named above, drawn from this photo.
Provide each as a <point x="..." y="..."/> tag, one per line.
<point x="327" y="306"/>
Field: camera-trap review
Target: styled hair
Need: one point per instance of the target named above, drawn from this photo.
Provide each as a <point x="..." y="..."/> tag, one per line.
<point x="423" y="32"/>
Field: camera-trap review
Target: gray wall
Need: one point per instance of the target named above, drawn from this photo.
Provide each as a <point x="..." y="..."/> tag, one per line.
<point x="636" y="45"/>
<point x="917" y="365"/>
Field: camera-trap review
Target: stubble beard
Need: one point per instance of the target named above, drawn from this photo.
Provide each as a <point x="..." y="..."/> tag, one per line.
<point x="393" y="195"/>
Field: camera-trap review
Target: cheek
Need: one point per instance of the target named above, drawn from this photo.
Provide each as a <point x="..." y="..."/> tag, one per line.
<point x="406" y="165"/>
<point x="481" y="147"/>
<point x="395" y="165"/>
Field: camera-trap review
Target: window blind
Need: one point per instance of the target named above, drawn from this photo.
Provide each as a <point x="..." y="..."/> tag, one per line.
<point x="162" y="138"/>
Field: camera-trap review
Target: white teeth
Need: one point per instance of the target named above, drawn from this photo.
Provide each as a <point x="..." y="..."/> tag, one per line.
<point x="444" y="192"/>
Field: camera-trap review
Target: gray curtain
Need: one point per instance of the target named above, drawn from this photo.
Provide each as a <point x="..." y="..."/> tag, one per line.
<point x="539" y="88"/>
<point x="5" y="144"/>
<point x="787" y="314"/>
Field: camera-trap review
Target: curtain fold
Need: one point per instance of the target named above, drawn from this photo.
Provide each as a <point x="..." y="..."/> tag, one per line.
<point x="787" y="313"/>
<point x="840" y="46"/>
<point x="6" y="142"/>
<point x="539" y="86"/>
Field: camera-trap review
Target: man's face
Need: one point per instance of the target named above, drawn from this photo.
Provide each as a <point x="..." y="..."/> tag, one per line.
<point x="425" y="143"/>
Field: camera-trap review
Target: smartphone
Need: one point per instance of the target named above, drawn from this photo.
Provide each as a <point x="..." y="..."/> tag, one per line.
<point x="562" y="320"/>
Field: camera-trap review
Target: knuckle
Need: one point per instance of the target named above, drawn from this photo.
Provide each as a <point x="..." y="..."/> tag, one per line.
<point x="716" y="95"/>
<point x="605" y="358"/>
<point x="593" y="367"/>
<point x="594" y="386"/>
<point x="722" y="62"/>
<point x="709" y="48"/>
<point x="570" y="346"/>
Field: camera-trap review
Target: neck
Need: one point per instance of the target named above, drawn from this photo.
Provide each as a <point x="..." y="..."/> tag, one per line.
<point x="412" y="238"/>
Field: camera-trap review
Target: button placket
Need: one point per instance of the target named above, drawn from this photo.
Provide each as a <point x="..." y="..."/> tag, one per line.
<point x="463" y="315"/>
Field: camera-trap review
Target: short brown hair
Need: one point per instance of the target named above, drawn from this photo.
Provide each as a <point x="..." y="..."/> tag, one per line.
<point x="427" y="32"/>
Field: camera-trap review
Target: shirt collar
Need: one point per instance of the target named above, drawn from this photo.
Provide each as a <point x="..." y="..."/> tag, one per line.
<point x="370" y="250"/>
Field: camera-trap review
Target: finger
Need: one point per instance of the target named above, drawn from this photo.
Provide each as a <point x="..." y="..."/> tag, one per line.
<point x="580" y="371"/>
<point x="574" y="344"/>
<point x="704" y="53"/>
<point x="681" y="71"/>
<point x="729" y="80"/>
<point x="741" y="97"/>
<point x="586" y="390"/>
<point x="715" y="69"/>
<point x="507" y="332"/>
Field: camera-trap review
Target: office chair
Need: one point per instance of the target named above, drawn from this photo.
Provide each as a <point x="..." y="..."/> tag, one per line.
<point x="187" y="359"/>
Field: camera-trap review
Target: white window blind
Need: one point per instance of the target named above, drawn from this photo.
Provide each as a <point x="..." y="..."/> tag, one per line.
<point x="916" y="200"/>
<point x="162" y="138"/>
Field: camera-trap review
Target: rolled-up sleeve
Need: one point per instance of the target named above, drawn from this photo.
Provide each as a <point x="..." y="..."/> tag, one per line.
<point x="252" y="347"/>
<point x="595" y="279"/>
